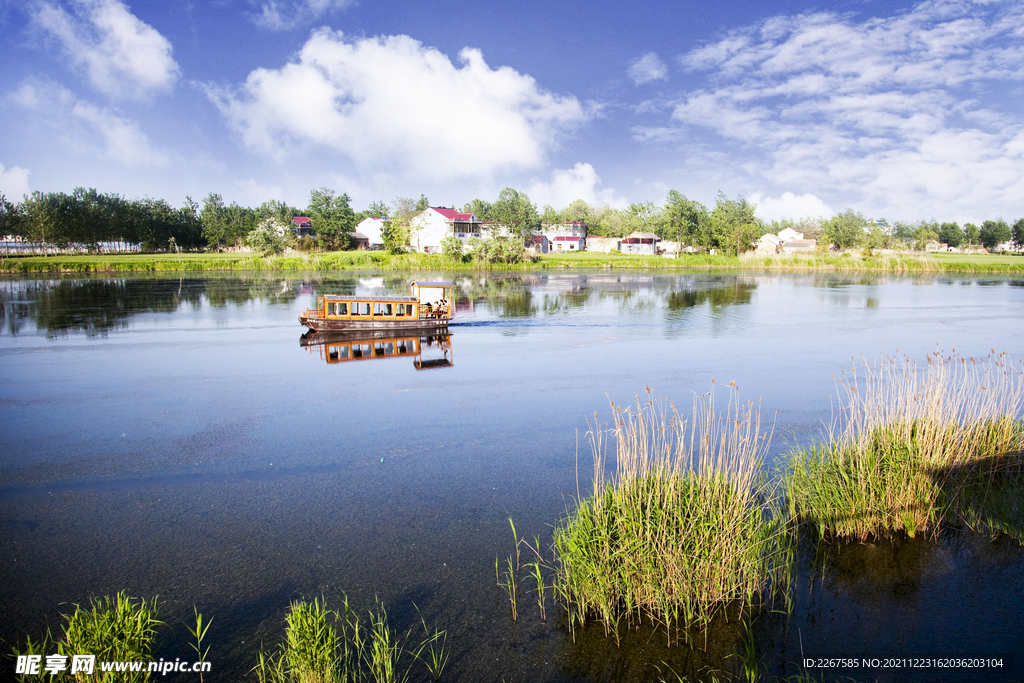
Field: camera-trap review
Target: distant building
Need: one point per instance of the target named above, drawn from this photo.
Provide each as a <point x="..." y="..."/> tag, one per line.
<point x="537" y="244"/>
<point x="360" y="241"/>
<point x="373" y="228"/>
<point x="603" y="244"/>
<point x="798" y="246"/>
<point x="644" y="243"/>
<point x="434" y="224"/>
<point x="768" y="245"/>
<point x="303" y="226"/>
<point x="570" y="243"/>
<point x="790" y="234"/>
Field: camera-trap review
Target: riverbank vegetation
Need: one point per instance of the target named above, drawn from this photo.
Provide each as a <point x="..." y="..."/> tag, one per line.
<point x="379" y="260"/>
<point x="687" y="524"/>
<point x="916" y="449"/>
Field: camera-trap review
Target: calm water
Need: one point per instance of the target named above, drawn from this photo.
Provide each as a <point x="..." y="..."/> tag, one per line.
<point x="172" y="437"/>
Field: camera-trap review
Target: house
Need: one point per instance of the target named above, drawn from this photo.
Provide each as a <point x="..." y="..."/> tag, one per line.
<point x="432" y="225"/>
<point x="790" y="234"/>
<point x="640" y="243"/>
<point x="569" y="243"/>
<point x="302" y="226"/>
<point x="373" y="228"/>
<point x="537" y="244"/>
<point x="769" y="244"/>
<point x="798" y="246"/>
<point x="603" y="244"/>
<point x="567" y="229"/>
<point x="360" y="241"/>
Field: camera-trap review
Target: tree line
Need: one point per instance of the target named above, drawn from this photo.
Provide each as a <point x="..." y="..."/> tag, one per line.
<point x="94" y="221"/>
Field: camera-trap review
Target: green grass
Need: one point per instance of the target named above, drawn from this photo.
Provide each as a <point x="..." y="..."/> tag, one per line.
<point x="917" y="449"/>
<point x="361" y="260"/>
<point x="327" y="646"/>
<point x="686" y="526"/>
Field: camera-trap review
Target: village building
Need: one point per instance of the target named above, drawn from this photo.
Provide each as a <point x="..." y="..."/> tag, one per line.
<point x="798" y="246"/>
<point x="537" y="244"/>
<point x="603" y="244"/>
<point x="569" y="243"/>
<point x="768" y="245"/>
<point x="373" y="228"/>
<point x="302" y="226"/>
<point x="432" y="225"/>
<point x="360" y="241"/>
<point x="640" y="243"/>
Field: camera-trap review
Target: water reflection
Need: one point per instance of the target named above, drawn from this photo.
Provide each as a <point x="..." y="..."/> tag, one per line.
<point x="426" y="351"/>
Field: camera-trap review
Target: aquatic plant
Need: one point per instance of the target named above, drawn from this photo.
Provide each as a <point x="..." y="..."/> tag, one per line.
<point x="120" y="628"/>
<point x="328" y="646"/>
<point x="686" y="525"/>
<point x="913" y="448"/>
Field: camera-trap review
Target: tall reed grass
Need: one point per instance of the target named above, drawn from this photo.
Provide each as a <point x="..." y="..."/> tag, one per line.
<point x="915" y="447"/>
<point x="328" y="646"/>
<point x="685" y="525"/>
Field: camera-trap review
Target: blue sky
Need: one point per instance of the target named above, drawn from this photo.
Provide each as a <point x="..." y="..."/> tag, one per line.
<point x="902" y="110"/>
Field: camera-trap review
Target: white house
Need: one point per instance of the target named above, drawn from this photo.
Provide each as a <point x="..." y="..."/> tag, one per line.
<point x="372" y="227"/>
<point x="567" y="229"/>
<point x="434" y="224"/>
<point x="569" y="243"/>
<point x="767" y="245"/>
<point x="640" y="243"/>
<point x="790" y="234"/>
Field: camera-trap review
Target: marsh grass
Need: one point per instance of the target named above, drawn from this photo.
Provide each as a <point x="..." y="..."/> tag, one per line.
<point x="686" y="525"/>
<point x="119" y="628"/>
<point x="329" y="646"/>
<point x="915" y="448"/>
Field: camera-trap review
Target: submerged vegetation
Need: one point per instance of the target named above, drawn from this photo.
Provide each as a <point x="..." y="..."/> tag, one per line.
<point x="686" y="525"/>
<point x="916" y="449"/>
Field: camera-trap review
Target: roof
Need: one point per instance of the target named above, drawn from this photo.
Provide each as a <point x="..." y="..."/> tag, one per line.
<point x="300" y="220"/>
<point x="345" y="297"/>
<point x="360" y="236"/>
<point x="644" y="235"/>
<point x="452" y="214"/>
<point x="432" y="284"/>
<point x="569" y="238"/>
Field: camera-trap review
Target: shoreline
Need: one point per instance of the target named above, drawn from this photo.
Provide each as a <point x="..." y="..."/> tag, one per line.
<point x="363" y="260"/>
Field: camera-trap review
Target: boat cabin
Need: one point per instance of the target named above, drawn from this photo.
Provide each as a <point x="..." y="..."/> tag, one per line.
<point x="429" y="301"/>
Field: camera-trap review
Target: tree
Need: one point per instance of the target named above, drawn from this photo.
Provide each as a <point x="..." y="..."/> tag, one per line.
<point x="516" y="212"/>
<point x="1018" y="234"/>
<point x="845" y="230"/>
<point x="732" y="226"/>
<point x="579" y="212"/>
<point x="377" y="210"/>
<point x="550" y="216"/>
<point x="267" y="237"/>
<point x="480" y="209"/>
<point x="994" y="233"/>
<point x="971" y="233"/>
<point x="451" y="247"/>
<point x="11" y="216"/>
<point x="422" y="204"/>
<point x="682" y="219"/>
<point x="332" y="217"/>
<point x="951" y="234"/>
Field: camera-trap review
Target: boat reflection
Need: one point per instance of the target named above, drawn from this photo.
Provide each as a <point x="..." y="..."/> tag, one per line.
<point x="427" y="351"/>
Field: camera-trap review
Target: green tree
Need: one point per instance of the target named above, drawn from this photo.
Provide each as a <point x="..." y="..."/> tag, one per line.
<point x="11" y="217"/>
<point x="951" y="234"/>
<point x="332" y="218"/>
<point x="267" y="237"/>
<point x="516" y="212"/>
<point x="579" y="211"/>
<point x="480" y="209"/>
<point x="845" y="230"/>
<point x="682" y="219"/>
<point x="925" y="233"/>
<point x="732" y="226"/>
<point x="1018" y="234"/>
<point x="422" y="204"/>
<point x="993" y="233"/>
<point x="451" y="247"/>
<point x="550" y="215"/>
<point x="971" y="233"/>
<point x="377" y="210"/>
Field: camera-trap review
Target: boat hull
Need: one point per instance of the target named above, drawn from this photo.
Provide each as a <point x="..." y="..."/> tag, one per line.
<point x="319" y="324"/>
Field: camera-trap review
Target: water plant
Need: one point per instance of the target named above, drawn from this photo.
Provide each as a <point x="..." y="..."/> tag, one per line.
<point x="915" y="448"/>
<point x="328" y="646"/>
<point x="199" y="632"/>
<point x="119" y="628"/>
<point x="686" y="525"/>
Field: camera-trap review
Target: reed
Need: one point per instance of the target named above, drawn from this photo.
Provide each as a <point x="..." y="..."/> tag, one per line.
<point x="686" y="525"/>
<point x="327" y="646"/>
<point x="120" y="628"/>
<point x="913" y="448"/>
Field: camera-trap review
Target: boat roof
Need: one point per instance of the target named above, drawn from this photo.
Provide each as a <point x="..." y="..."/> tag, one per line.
<point x="344" y="297"/>
<point x="432" y="284"/>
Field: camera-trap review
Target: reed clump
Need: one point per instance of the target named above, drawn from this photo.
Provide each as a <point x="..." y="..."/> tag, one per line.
<point x="915" y="448"/>
<point x="329" y="646"/>
<point x="687" y="523"/>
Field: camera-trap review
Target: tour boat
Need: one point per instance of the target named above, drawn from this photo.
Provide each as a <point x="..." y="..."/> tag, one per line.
<point x="428" y="308"/>
<point x="432" y="350"/>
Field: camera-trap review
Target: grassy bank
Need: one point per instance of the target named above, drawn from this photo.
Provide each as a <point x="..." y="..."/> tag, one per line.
<point x="685" y="527"/>
<point x="363" y="260"/>
<point x="917" y="449"/>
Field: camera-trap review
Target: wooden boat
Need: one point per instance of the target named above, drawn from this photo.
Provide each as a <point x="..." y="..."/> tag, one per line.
<point x="343" y="347"/>
<point x="428" y="308"/>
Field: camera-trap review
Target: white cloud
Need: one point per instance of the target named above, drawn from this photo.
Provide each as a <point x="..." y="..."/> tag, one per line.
<point x="280" y="15"/>
<point x="105" y="132"/>
<point x="392" y="104"/>
<point x="900" y="116"/>
<point x="123" y="56"/>
<point x="789" y="205"/>
<point x="14" y="183"/>
<point x="647" y="68"/>
<point x="567" y="185"/>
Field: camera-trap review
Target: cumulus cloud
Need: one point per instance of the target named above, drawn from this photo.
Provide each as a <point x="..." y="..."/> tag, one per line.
<point x="281" y="15"/>
<point x="123" y="56"/>
<point x="789" y="205"/>
<point x="647" y="68"/>
<point x="900" y="116"/>
<point x="104" y="130"/>
<point x="391" y="103"/>
<point x="14" y="182"/>
<point x="567" y="185"/>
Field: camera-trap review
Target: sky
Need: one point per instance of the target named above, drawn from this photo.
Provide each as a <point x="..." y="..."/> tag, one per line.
<point x="899" y="110"/>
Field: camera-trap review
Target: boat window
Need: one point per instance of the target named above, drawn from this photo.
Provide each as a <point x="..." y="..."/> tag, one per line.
<point x="408" y="309"/>
<point x="360" y="309"/>
<point x="389" y="348"/>
<point x="389" y="309"/>
<point x="378" y="309"/>
<point x="401" y="310"/>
